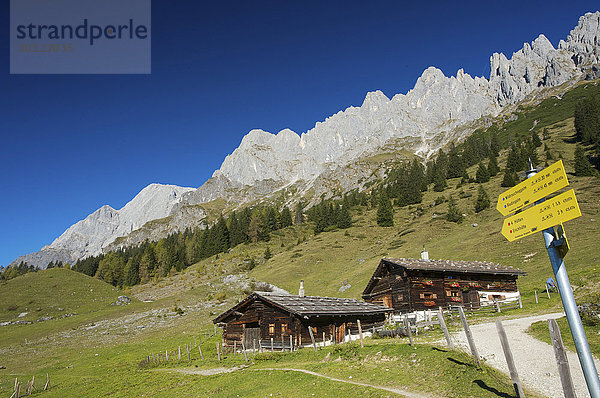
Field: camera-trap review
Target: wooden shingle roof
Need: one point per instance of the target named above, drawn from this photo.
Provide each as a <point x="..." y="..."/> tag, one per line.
<point x="454" y="266"/>
<point x="309" y="306"/>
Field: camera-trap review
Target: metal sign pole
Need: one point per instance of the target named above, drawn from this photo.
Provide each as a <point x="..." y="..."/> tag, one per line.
<point x="568" y="300"/>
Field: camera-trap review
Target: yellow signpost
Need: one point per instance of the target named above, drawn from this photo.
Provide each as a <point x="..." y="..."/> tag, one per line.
<point x="547" y="181"/>
<point x="547" y="214"/>
<point x="547" y="217"/>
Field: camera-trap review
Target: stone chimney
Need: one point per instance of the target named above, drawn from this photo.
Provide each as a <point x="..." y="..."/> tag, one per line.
<point x="301" y="290"/>
<point x="424" y="254"/>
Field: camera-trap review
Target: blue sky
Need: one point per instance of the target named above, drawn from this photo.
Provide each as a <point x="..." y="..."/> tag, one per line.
<point x="71" y="144"/>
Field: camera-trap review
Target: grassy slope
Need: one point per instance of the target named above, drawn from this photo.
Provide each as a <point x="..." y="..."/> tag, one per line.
<point x="83" y="360"/>
<point x="541" y="331"/>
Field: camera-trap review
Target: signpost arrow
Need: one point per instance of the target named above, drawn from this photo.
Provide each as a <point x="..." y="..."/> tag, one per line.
<point x="547" y="181"/>
<point x="547" y="214"/>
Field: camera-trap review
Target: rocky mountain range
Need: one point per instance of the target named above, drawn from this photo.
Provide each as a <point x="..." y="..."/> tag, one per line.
<point x="439" y="109"/>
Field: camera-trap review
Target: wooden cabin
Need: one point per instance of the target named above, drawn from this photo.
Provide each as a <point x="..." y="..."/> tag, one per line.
<point x="408" y="285"/>
<point x="262" y="316"/>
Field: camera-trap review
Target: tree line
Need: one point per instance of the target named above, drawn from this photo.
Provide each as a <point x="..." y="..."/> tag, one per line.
<point x="139" y="264"/>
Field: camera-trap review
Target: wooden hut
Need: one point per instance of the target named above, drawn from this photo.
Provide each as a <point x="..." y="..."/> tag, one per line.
<point x="262" y="316"/>
<point x="408" y="285"/>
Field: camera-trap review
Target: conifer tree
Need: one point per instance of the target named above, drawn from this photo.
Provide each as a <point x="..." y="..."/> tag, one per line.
<point x="439" y="180"/>
<point x="492" y="167"/>
<point x="483" y="200"/>
<point x="582" y="165"/>
<point x="537" y="142"/>
<point x="495" y="144"/>
<point x="454" y="214"/>
<point x="510" y="178"/>
<point x="385" y="212"/>
<point x="255" y="229"/>
<point x="344" y="220"/>
<point x="482" y="174"/>
<point x="132" y="275"/>
<point x="268" y="253"/>
<point x="285" y="217"/>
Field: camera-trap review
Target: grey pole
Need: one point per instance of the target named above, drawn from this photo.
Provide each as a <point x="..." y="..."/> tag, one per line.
<point x="568" y="299"/>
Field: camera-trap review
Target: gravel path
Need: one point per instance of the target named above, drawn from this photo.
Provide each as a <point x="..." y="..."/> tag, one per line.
<point x="534" y="359"/>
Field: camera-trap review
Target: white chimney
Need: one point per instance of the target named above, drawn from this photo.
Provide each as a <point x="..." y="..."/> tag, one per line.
<point x="301" y="290"/>
<point x="424" y="254"/>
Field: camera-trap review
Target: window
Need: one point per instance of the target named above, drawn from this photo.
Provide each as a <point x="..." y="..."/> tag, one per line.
<point x="271" y="328"/>
<point x="400" y="297"/>
<point x="283" y="328"/>
<point x="428" y="295"/>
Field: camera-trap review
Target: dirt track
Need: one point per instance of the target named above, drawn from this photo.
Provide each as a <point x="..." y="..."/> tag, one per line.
<point x="534" y="359"/>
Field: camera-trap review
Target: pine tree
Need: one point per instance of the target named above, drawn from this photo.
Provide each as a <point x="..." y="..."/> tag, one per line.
<point x="255" y="229"/>
<point x="439" y="180"/>
<point x="132" y="275"/>
<point x="582" y="165"/>
<point x="268" y="253"/>
<point x="510" y="178"/>
<point x="285" y="217"/>
<point x="493" y="166"/>
<point x="537" y="142"/>
<point x="482" y="174"/>
<point x="483" y="201"/>
<point x="385" y="212"/>
<point x="344" y="220"/>
<point x="495" y="144"/>
<point x="454" y="214"/>
<point x="270" y="218"/>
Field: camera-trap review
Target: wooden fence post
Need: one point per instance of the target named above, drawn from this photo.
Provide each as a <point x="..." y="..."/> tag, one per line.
<point x="167" y="355"/>
<point x="497" y="305"/>
<point x="272" y="344"/>
<point x="407" y="327"/>
<point x="244" y="350"/>
<point x="282" y="343"/>
<point x="201" y="354"/>
<point x="561" y="359"/>
<point x="291" y="343"/>
<point x="360" y="334"/>
<point x="188" y="352"/>
<point x="234" y="347"/>
<point x="179" y="355"/>
<point x="463" y="319"/>
<point x="514" y="376"/>
<point x="536" y="297"/>
<point x="444" y="328"/>
<point x="547" y="291"/>
<point x="218" y="351"/>
<point x="312" y="337"/>
<point x="520" y="301"/>
<point x="253" y="346"/>
<point x="323" y="339"/>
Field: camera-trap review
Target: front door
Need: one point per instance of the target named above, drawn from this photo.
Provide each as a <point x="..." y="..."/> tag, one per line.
<point x="251" y="337"/>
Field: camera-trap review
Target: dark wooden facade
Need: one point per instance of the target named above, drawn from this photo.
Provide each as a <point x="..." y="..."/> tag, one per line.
<point x="262" y="316"/>
<point x="408" y="285"/>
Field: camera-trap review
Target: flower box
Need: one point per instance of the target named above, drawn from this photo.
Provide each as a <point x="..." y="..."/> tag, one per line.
<point x="455" y="284"/>
<point x="428" y="283"/>
<point x="429" y="303"/>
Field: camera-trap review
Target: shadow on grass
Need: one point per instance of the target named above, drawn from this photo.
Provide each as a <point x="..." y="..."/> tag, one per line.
<point x="456" y="361"/>
<point x="484" y="386"/>
<point x="440" y="349"/>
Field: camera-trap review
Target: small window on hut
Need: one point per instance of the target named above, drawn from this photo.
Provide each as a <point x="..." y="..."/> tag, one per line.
<point x="428" y="295"/>
<point x="284" y="328"/>
<point x="271" y="328"/>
